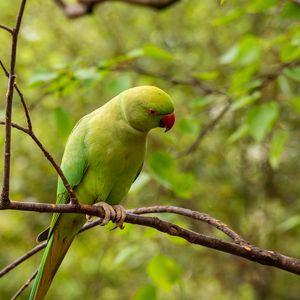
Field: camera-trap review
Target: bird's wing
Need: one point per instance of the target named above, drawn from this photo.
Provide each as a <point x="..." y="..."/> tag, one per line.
<point x="74" y="166"/>
<point x="138" y="172"/>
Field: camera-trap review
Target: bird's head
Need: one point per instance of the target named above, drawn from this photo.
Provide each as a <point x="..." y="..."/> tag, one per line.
<point x="147" y="107"/>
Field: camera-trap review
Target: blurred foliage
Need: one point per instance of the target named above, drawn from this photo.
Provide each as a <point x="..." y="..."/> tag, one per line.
<point x="245" y="171"/>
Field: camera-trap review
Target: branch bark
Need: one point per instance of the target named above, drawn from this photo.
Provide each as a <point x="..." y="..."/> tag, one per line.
<point x="86" y="7"/>
<point x="239" y="248"/>
<point x="9" y="99"/>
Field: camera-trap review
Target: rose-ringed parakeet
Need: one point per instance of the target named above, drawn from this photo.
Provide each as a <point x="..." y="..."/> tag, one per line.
<point x="103" y="156"/>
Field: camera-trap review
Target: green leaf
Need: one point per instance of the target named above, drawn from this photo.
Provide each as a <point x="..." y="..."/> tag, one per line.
<point x="134" y="53"/>
<point x="241" y="132"/>
<point x="296" y="104"/>
<point x="289" y="224"/>
<point x="242" y="81"/>
<point x="228" y="17"/>
<point x="87" y="76"/>
<point x="62" y="121"/>
<point x="289" y="52"/>
<point x="206" y="75"/>
<point x="277" y="145"/>
<point x="146" y="292"/>
<point x="162" y="165"/>
<point x="164" y="272"/>
<point x="245" y="101"/>
<point x="41" y="78"/>
<point x="188" y="126"/>
<point x="164" y="170"/>
<point x="293" y="73"/>
<point x="125" y="254"/>
<point x="119" y="83"/>
<point x="261" y="118"/>
<point x="245" y="52"/>
<point x="291" y="11"/>
<point x="156" y="52"/>
<point x="230" y="55"/>
<point x="183" y="184"/>
<point x="261" y="5"/>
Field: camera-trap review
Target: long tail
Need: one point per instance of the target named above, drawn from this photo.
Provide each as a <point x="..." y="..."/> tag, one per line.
<point x="54" y="254"/>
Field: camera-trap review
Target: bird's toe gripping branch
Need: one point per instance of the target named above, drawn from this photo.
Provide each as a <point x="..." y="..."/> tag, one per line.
<point x="116" y="213"/>
<point x="120" y="216"/>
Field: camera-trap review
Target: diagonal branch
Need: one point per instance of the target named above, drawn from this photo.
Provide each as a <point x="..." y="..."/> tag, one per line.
<point x="24" y="286"/>
<point x="209" y="127"/>
<point x="68" y="187"/>
<point x="27" y="115"/>
<point x="4" y="27"/>
<point x="242" y="249"/>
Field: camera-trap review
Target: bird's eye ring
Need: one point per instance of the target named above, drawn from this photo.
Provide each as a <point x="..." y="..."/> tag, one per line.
<point x="152" y="111"/>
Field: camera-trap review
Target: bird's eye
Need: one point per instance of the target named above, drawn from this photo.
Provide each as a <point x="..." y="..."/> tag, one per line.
<point x="152" y="111"/>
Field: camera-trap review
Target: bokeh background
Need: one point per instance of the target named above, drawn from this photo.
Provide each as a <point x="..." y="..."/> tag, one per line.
<point x="243" y="56"/>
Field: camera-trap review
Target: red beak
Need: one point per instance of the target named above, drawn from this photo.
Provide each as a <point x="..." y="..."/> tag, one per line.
<point x="167" y="121"/>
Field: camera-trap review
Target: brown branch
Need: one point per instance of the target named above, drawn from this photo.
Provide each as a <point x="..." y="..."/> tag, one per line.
<point x="191" y="214"/>
<point x="7" y="28"/>
<point x="86" y="7"/>
<point x="30" y="132"/>
<point x="270" y="77"/>
<point x="21" y="259"/>
<point x="246" y="251"/>
<point x="9" y="99"/>
<point x="209" y="127"/>
<point x="28" y="119"/>
<point x="68" y="187"/>
<point x="194" y="82"/>
<point x="24" y="286"/>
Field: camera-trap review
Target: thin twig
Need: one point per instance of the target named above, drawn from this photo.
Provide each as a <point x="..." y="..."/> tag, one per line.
<point x="176" y="81"/>
<point x="8" y="112"/>
<point x="17" y="126"/>
<point x="247" y="251"/>
<point x="24" y="257"/>
<point x="191" y="214"/>
<point x="73" y="199"/>
<point x="28" y="119"/>
<point x="209" y="127"/>
<point x="24" y="286"/>
<point x="27" y="115"/>
<point x="7" y="28"/>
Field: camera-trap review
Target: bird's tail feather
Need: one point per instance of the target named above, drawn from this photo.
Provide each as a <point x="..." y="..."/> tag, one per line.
<point x="53" y="256"/>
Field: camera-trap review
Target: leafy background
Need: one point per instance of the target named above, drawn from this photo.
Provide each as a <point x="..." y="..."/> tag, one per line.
<point x="245" y="171"/>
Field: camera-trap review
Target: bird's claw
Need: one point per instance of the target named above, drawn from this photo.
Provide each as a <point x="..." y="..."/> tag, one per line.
<point x="109" y="213"/>
<point x="119" y="217"/>
<point x="115" y="213"/>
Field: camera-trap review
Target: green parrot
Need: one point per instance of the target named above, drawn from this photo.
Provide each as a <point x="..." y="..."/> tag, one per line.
<point x="103" y="156"/>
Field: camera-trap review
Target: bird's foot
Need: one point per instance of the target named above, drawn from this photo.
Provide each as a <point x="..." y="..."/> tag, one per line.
<point x="120" y="216"/>
<point x="116" y="213"/>
<point x="109" y="213"/>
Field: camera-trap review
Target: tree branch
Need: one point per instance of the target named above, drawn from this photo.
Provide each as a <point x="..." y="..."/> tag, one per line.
<point x="24" y="286"/>
<point x="86" y="7"/>
<point x="6" y="28"/>
<point x="9" y="99"/>
<point x="27" y="115"/>
<point x="241" y="249"/>
<point x="68" y="187"/>
<point x="209" y="127"/>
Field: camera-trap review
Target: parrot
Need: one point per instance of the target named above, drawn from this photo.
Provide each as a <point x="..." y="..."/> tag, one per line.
<point x="103" y="156"/>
